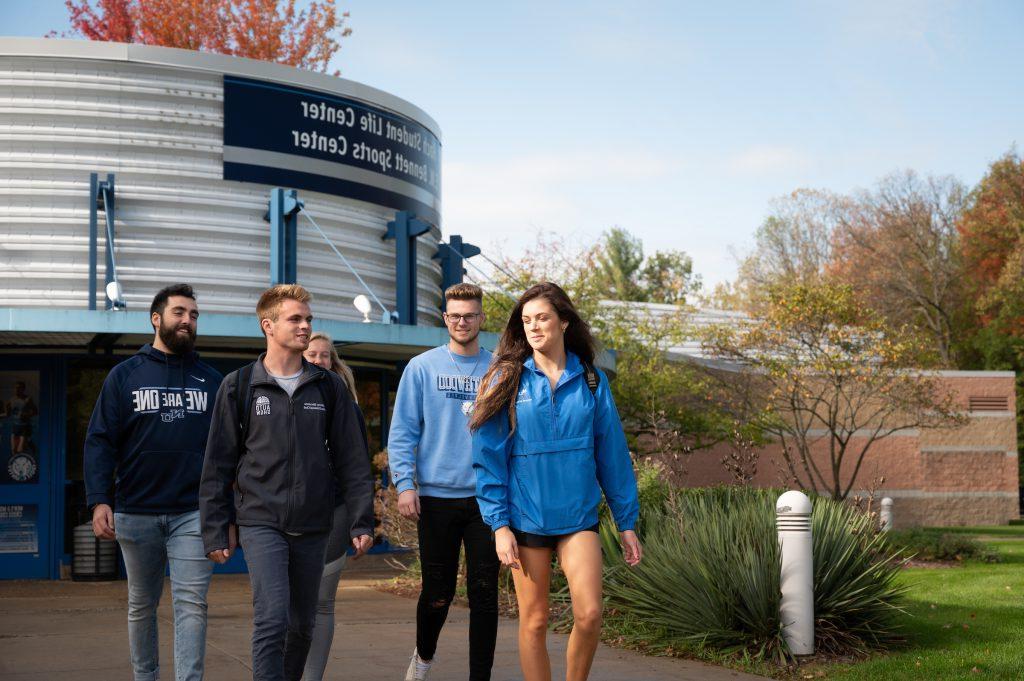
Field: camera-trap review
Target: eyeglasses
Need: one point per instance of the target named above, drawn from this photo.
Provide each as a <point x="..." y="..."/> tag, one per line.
<point x="456" y="318"/>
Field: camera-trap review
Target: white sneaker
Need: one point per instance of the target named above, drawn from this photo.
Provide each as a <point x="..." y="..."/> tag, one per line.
<point x="418" y="668"/>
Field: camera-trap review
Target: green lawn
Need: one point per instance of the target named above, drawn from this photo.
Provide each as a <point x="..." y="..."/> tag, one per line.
<point x="1008" y="531"/>
<point x="964" y="622"/>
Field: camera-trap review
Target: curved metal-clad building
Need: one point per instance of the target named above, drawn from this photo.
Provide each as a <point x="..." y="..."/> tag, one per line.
<point x="155" y="118"/>
<point x="211" y="170"/>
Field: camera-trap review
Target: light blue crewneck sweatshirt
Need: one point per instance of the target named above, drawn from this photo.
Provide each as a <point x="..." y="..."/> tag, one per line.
<point x="429" y="444"/>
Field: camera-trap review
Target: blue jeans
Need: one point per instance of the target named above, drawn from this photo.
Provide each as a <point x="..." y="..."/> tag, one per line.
<point x="285" y="572"/>
<point x="323" y="632"/>
<point x="149" y="543"/>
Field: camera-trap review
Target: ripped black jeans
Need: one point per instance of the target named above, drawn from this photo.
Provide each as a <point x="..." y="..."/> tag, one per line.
<point x="444" y="525"/>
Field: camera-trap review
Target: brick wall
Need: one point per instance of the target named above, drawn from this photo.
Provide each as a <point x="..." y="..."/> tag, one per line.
<point x="935" y="477"/>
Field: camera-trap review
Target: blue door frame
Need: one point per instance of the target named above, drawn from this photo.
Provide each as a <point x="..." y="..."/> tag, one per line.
<point x="39" y="501"/>
<point x="45" y="497"/>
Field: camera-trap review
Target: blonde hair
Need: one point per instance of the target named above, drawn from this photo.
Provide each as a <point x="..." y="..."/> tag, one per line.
<point x="338" y="365"/>
<point x="269" y="305"/>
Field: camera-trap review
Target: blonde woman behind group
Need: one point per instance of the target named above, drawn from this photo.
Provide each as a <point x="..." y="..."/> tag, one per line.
<point x="321" y="352"/>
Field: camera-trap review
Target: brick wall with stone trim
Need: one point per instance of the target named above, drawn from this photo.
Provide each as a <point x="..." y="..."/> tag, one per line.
<point x="935" y="477"/>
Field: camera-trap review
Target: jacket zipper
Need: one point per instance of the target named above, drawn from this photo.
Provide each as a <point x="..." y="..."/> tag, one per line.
<point x="291" y="458"/>
<point x="554" y="421"/>
<point x="286" y="521"/>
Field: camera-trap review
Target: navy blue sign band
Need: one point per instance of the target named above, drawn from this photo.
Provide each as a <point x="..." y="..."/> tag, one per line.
<point x="306" y="139"/>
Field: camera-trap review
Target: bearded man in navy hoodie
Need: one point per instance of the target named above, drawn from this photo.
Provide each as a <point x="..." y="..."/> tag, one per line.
<point x="143" y="460"/>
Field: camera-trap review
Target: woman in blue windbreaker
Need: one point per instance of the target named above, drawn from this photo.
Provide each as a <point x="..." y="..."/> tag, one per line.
<point x="546" y="441"/>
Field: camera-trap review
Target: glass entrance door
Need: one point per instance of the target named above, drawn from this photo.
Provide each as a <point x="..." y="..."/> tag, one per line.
<point x="27" y="456"/>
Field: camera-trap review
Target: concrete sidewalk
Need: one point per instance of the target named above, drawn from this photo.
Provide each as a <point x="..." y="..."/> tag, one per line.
<point x="70" y="631"/>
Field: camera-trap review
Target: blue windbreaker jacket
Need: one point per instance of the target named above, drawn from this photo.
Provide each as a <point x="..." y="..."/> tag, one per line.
<point x="547" y="477"/>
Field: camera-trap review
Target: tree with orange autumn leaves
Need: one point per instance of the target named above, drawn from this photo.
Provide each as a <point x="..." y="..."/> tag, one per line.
<point x="921" y="253"/>
<point x="992" y="235"/>
<point x="917" y="250"/>
<point x="897" y="246"/>
<point x="269" y="30"/>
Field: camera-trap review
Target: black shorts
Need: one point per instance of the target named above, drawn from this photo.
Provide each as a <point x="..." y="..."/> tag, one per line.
<point x="545" y="541"/>
<point x="21" y="430"/>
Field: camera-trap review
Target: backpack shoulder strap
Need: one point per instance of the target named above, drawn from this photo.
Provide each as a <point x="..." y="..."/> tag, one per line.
<point x="243" y="400"/>
<point x="592" y="378"/>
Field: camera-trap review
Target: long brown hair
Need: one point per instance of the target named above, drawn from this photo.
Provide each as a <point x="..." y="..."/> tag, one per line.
<point x="501" y="382"/>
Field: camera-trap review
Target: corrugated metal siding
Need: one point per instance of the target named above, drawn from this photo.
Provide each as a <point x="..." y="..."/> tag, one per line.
<point x="160" y="130"/>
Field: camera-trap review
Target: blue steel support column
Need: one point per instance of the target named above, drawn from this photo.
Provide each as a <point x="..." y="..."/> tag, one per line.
<point x="94" y="182"/>
<point x="283" y="215"/>
<point x="106" y="191"/>
<point x="58" y="484"/>
<point x="404" y="229"/>
<point x="451" y="256"/>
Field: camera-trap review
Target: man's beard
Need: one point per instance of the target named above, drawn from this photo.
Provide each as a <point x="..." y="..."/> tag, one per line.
<point x="179" y="345"/>
<point x="464" y="342"/>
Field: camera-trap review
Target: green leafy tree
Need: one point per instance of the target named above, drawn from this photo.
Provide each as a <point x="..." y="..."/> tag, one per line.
<point x="667" y="277"/>
<point x="664" y="401"/>
<point x="619" y="260"/>
<point x="625" y="274"/>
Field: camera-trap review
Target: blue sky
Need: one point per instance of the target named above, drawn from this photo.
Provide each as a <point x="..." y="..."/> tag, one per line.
<point x="679" y="121"/>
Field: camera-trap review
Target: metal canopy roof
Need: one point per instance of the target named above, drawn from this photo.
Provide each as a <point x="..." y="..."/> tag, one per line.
<point x="79" y="330"/>
<point x="85" y="329"/>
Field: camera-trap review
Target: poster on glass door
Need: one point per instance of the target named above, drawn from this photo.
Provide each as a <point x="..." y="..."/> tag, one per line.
<point x="19" y="427"/>
<point x="19" y="528"/>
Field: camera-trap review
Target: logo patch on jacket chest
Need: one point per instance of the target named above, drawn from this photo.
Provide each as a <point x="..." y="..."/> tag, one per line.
<point x="262" y="406"/>
<point x="169" y="416"/>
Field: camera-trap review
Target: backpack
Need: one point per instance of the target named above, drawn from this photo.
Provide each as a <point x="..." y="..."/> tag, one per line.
<point x="244" y="387"/>
<point x="592" y="378"/>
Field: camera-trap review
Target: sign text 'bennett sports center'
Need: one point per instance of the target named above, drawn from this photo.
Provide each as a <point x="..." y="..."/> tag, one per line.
<point x="303" y="139"/>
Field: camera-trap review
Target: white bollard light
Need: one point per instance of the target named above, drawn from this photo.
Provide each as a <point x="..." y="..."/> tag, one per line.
<point x="793" y="522"/>
<point x="886" y="514"/>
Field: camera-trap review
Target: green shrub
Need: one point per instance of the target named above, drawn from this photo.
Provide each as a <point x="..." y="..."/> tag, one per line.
<point x="856" y="597"/>
<point x="709" y="580"/>
<point x="932" y="544"/>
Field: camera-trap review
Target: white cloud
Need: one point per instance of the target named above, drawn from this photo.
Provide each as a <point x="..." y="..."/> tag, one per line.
<point x="765" y="159"/>
<point x="508" y="202"/>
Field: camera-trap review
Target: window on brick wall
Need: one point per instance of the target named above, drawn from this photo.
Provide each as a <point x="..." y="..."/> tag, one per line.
<point x="988" y="403"/>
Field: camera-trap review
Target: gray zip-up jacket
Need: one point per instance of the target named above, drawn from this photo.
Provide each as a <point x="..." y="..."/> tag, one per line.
<point x="283" y="476"/>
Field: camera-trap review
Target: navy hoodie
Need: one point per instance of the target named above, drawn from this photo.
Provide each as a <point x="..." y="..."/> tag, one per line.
<point x="148" y="431"/>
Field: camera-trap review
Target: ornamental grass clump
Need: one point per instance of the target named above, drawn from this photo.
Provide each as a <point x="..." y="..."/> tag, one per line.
<point x="709" y="580"/>
<point x="856" y="595"/>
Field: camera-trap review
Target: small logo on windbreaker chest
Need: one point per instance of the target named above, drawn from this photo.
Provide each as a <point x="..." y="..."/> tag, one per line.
<point x="262" y="406"/>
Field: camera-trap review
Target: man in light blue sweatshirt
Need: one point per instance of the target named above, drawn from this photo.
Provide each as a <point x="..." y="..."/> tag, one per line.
<point x="429" y="447"/>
